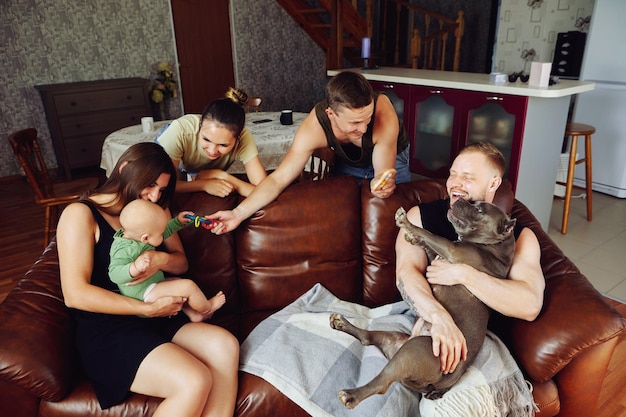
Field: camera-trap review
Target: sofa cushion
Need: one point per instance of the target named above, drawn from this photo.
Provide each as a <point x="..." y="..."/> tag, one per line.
<point x="37" y="351"/>
<point x="211" y="258"/>
<point x="281" y="255"/>
<point x="380" y="233"/>
<point x="82" y="402"/>
<point x="257" y="397"/>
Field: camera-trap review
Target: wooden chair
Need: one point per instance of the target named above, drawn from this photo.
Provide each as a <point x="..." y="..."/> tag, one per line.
<point x="253" y="104"/>
<point x="319" y="165"/>
<point x="52" y="196"/>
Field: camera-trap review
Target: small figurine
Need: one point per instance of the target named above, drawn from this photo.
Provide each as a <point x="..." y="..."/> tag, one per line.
<point x="198" y="221"/>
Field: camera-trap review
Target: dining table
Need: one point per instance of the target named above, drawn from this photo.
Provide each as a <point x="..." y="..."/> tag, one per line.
<point x="272" y="138"/>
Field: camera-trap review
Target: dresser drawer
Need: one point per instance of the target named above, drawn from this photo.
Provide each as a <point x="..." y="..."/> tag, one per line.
<point x="101" y="122"/>
<point x="81" y="114"/>
<point x="99" y="100"/>
<point x="85" y="151"/>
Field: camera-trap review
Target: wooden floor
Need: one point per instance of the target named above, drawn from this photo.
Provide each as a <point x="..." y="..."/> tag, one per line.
<point x="21" y="231"/>
<point x="21" y="240"/>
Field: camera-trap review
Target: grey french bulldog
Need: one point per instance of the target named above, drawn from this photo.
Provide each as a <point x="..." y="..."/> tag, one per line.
<point x="485" y="242"/>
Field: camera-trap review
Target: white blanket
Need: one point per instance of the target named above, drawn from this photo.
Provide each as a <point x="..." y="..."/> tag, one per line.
<point x="298" y="352"/>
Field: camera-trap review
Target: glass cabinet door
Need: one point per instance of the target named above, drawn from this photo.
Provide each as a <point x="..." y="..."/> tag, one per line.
<point x="403" y="94"/>
<point x="491" y="123"/>
<point x="498" y="120"/>
<point x="435" y="133"/>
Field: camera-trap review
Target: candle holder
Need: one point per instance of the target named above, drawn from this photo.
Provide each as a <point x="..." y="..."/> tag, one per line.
<point x="367" y="66"/>
<point x="365" y="54"/>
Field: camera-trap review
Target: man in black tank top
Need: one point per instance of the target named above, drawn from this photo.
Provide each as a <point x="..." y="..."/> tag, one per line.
<point x="475" y="175"/>
<point x="363" y="130"/>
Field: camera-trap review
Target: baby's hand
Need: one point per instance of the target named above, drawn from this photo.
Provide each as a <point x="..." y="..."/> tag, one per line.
<point x="142" y="263"/>
<point x="138" y="267"/>
<point x="182" y="218"/>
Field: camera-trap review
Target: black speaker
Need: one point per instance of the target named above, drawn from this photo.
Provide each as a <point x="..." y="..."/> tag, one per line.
<point x="568" y="54"/>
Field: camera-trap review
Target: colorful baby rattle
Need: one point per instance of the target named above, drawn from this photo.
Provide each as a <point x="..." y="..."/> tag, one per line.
<point x="198" y="221"/>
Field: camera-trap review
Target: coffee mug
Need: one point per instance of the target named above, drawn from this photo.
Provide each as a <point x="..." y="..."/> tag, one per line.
<point x="286" y="117"/>
<point x="147" y="124"/>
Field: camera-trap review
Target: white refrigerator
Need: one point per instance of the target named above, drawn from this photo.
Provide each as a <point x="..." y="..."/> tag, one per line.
<point x="604" y="63"/>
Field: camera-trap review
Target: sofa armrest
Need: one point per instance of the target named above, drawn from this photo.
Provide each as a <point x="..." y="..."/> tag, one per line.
<point x="575" y="316"/>
<point x="573" y="339"/>
<point x="37" y="352"/>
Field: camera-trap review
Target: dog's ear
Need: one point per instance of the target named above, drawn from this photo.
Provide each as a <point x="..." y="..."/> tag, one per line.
<point x="507" y="225"/>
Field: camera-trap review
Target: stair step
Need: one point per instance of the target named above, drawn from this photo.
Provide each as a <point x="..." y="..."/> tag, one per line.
<point x="309" y="11"/>
<point x="321" y="25"/>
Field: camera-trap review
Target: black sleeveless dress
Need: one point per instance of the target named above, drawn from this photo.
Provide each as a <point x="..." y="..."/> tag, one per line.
<point x="111" y="347"/>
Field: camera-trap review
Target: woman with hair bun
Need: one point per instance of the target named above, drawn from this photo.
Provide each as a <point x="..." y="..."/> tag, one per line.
<point x="202" y="147"/>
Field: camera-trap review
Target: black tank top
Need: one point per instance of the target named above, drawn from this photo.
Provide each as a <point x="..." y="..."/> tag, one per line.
<point x="352" y="154"/>
<point x="102" y="257"/>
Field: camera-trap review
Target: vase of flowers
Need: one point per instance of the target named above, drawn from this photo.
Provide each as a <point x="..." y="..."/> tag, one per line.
<point x="163" y="87"/>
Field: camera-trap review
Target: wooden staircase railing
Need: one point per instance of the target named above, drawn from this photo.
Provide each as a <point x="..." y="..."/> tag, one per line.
<point x="335" y="25"/>
<point x="419" y="38"/>
<point x="429" y="33"/>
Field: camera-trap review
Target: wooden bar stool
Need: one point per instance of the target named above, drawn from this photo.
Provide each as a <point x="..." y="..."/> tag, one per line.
<point x="574" y="131"/>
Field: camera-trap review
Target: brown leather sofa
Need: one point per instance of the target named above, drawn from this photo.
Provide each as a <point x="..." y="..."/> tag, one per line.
<point x="333" y="232"/>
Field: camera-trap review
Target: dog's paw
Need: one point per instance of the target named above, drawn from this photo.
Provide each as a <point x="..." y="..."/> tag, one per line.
<point x="337" y="321"/>
<point x="347" y="399"/>
<point x="435" y="394"/>
<point x="411" y="232"/>
<point x="400" y="217"/>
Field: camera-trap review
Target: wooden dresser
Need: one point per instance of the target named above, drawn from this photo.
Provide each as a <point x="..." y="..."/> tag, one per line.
<point x="81" y="115"/>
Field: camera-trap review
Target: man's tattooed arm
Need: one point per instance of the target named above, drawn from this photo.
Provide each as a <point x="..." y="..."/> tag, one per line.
<point x="405" y="296"/>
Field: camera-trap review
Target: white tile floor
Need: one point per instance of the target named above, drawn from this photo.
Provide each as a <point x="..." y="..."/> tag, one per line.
<point x="598" y="248"/>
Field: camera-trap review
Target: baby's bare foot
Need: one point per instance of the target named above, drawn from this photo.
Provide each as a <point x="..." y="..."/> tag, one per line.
<point x="215" y="302"/>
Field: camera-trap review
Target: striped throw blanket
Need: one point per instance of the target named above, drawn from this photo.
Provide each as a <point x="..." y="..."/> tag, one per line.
<point x="303" y="357"/>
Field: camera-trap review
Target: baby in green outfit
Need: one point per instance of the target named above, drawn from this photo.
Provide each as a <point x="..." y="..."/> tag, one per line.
<point x="144" y="227"/>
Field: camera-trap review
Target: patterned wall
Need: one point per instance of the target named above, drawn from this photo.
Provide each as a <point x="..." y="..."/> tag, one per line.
<point x="275" y="58"/>
<point x="526" y="25"/>
<point x="56" y="41"/>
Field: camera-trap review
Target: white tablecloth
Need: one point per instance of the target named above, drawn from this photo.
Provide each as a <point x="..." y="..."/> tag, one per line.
<point x="272" y="140"/>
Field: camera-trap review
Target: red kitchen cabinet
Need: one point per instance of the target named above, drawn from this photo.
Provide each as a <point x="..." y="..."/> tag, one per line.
<point x="441" y="121"/>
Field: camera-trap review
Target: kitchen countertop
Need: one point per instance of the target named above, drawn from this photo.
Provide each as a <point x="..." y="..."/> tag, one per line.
<point x="469" y="81"/>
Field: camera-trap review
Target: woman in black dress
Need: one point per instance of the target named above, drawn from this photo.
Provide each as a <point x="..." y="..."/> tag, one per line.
<point x="192" y="366"/>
